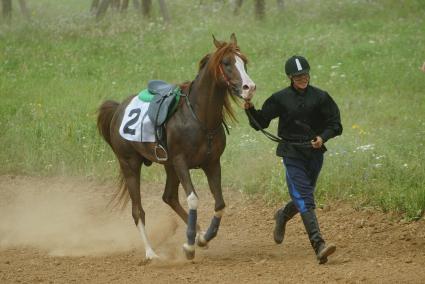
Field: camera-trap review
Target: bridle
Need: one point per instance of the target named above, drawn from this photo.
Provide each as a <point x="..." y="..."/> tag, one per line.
<point x="226" y="78"/>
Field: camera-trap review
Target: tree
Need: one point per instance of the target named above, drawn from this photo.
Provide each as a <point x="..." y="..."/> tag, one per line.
<point x="124" y="5"/>
<point x="280" y="4"/>
<point x="7" y="9"/>
<point x="94" y="6"/>
<point x="100" y="7"/>
<point x="24" y="9"/>
<point x="146" y="7"/>
<point x="164" y="11"/>
<point x="137" y="5"/>
<point x="238" y="5"/>
<point x="260" y="7"/>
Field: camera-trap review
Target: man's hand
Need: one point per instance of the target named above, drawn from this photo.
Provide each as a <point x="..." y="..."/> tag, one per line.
<point x="317" y="142"/>
<point x="248" y="104"/>
<point x="422" y="68"/>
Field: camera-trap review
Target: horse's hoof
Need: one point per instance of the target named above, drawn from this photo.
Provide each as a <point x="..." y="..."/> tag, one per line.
<point x="201" y="242"/>
<point x="150" y="255"/>
<point x="189" y="251"/>
<point x="145" y="262"/>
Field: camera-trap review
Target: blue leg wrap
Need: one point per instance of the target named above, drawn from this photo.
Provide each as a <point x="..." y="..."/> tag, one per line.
<point x="191" y="227"/>
<point x="213" y="229"/>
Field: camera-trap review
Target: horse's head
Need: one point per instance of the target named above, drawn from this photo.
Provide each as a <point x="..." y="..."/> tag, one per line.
<point x="229" y="65"/>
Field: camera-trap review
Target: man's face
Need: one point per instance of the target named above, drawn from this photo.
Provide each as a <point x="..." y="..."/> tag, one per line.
<point x="301" y="81"/>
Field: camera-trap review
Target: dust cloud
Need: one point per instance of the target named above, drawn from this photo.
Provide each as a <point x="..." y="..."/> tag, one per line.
<point x="71" y="218"/>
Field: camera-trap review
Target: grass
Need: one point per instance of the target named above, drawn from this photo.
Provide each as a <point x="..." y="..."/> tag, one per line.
<point x="57" y="69"/>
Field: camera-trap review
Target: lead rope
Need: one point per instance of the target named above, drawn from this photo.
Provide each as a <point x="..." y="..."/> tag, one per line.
<point x="276" y="138"/>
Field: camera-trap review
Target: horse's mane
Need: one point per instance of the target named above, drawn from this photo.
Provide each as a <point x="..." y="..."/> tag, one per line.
<point x="213" y="61"/>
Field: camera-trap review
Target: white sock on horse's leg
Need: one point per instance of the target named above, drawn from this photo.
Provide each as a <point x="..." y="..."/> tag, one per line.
<point x="192" y="201"/>
<point x="150" y="254"/>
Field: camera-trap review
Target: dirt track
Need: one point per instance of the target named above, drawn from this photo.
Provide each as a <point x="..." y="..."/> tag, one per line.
<point x="60" y="231"/>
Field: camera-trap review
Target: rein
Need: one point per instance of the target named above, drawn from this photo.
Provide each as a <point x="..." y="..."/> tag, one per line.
<point x="277" y="139"/>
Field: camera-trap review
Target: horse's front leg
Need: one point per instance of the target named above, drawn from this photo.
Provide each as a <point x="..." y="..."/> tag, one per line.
<point x="192" y="201"/>
<point x="213" y="173"/>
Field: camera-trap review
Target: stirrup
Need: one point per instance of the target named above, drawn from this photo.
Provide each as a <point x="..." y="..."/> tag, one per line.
<point x="156" y="153"/>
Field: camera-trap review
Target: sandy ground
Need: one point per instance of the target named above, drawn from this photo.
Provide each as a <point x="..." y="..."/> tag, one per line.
<point x="62" y="231"/>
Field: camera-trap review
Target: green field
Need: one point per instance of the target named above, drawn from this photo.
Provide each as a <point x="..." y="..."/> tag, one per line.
<point x="57" y="69"/>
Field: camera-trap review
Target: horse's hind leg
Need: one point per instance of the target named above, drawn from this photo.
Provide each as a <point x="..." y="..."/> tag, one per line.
<point x="171" y="194"/>
<point x="131" y="172"/>
<point x="213" y="173"/>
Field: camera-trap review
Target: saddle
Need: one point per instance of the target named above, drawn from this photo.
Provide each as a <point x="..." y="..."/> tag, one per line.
<point x="163" y="103"/>
<point x="164" y="99"/>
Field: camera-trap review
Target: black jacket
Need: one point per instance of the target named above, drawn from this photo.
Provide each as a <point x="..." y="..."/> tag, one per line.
<point x="302" y="116"/>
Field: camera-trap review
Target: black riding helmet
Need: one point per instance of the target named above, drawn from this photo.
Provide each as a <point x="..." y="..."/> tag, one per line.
<point x="296" y="65"/>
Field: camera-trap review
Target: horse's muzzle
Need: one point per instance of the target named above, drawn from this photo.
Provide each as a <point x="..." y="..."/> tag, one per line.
<point x="248" y="91"/>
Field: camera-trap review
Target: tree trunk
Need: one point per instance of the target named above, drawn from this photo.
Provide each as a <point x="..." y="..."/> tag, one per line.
<point x="103" y="7"/>
<point x="238" y="5"/>
<point x="164" y="11"/>
<point x="116" y="4"/>
<point x="7" y="9"/>
<point x="124" y="5"/>
<point x="24" y="9"/>
<point x="94" y="6"/>
<point x="136" y="4"/>
<point x="146" y="7"/>
<point x="260" y="6"/>
<point x="280" y="4"/>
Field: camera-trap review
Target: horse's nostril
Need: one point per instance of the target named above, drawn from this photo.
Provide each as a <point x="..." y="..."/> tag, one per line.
<point x="245" y="87"/>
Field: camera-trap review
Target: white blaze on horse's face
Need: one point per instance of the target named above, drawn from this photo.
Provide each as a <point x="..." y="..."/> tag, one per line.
<point x="248" y="86"/>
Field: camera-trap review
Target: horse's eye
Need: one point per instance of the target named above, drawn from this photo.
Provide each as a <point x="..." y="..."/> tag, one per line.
<point x="226" y="62"/>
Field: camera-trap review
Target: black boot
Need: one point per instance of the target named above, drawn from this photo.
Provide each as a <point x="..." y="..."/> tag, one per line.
<point x="312" y="227"/>
<point x="282" y="216"/>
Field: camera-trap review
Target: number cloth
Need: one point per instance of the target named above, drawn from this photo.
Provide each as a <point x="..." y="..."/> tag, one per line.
<point x="136" y="125"/>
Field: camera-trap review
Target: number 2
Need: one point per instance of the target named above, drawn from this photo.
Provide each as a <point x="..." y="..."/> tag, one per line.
<point x="127" y="129"/>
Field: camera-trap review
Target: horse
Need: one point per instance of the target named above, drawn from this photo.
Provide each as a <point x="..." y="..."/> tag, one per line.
<point x="195" y="138"/>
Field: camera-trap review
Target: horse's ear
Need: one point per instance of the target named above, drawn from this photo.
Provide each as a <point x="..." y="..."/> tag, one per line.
<point x="233" y="39"/>
<point x="216" y="42"/>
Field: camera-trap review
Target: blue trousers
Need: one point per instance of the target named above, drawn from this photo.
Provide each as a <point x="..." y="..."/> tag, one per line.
<point x="301" y="178"/>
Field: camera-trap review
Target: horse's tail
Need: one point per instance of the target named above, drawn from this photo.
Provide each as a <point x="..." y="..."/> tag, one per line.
<point x="105" y="113"/>
<point x="121" y="197"/>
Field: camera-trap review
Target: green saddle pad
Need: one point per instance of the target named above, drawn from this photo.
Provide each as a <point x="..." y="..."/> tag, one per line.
<point x="146" y="96"/>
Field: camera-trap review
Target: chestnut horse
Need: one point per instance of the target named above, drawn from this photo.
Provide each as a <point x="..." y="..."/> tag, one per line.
<point x="195" y="138"/>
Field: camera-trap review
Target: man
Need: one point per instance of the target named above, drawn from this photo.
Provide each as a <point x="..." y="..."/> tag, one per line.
<point x="308" y="117"/>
